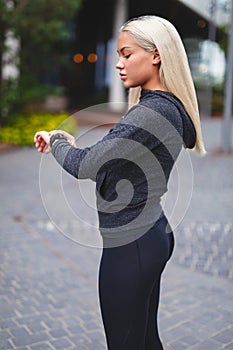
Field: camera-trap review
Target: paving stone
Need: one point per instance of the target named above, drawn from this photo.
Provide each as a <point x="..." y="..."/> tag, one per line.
<point x="80" y="339"/>
<point x="5" y="345"/>
<point x="31" y="319"/>
<point x="178" y="345"/>
<point x="58" y="333"/>
<point x="95" y="336"/>
<point x="225" y="336"/>
<point x="36" y="327"/>
<point x="173" y="334"/>
<point x="80" y="347"/>
<point x="52" y="324"/>
<point x="8" y="323"/>
<point x="75" y="329"/>
<point x="62" y="343"/>
<point x="90" y="326"/>
<point x="208" y="345"/>
<point x="30" y="339"/>
<point x="190" y="340"/>
<point x="4" y="335"/>
<point x="218" y="324"/>
<point x="95" y="346"/>
<point x="19" y="332"/>
<point x="41" y="346"/>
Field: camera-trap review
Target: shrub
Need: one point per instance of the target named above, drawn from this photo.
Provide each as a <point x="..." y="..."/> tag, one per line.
<point x="22" y="131"/>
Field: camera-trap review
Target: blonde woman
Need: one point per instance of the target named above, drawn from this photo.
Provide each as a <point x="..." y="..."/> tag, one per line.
<point x="131" y="166"/>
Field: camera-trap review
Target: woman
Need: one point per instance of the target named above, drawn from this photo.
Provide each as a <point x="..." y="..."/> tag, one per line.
<point x="131" y="166"/>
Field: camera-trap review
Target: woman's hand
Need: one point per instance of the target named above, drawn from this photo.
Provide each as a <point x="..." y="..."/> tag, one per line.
<point x="42" y="139"/>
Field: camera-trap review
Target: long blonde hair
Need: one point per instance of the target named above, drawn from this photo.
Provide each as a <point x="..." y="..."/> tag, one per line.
<point x="174" y="71"/>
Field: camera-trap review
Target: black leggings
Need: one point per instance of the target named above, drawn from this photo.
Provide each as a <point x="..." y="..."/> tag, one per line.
<point x="129" y="285"/>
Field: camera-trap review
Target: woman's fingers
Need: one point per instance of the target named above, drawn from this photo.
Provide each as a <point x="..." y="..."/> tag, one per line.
<point x="41" y="140"/>
<point x="42" y="135"/>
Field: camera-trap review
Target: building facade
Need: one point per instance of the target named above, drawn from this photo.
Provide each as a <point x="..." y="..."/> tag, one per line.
<point x="93" y="52"/>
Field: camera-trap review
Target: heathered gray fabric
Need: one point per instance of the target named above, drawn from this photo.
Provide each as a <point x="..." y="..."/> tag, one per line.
<point x="132" y="163"/>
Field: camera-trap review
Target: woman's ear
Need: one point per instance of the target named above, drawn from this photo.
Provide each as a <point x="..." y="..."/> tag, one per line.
<point x="156" y="56"/>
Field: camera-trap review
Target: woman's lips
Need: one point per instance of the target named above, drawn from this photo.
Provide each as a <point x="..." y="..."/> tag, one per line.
<point x="123" y="76"/>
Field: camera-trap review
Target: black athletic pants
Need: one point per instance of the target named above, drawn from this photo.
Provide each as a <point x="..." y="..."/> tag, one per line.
<point x="129" y="284"/>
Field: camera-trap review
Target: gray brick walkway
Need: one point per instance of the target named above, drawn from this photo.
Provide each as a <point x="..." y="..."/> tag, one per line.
<point x="206" y="247"/>
<point x="48" y="283"/>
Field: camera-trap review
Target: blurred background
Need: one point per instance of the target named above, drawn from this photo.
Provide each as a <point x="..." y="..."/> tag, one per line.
<point x="57" y="57"/>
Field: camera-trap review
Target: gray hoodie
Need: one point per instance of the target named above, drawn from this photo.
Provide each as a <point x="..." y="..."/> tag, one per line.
<point x="131" y="164"/>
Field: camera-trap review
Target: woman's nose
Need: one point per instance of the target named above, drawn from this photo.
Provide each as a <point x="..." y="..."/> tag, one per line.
<point x="120" y="64"/>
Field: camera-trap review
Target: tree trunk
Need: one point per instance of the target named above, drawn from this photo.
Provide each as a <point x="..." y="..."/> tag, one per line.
<point x="2" y="41"/>
<point x="117" y="91"/>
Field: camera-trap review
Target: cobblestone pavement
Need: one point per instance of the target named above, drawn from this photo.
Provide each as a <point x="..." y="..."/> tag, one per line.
<point x="206" y="247"/>
<point x="49" y="283"/>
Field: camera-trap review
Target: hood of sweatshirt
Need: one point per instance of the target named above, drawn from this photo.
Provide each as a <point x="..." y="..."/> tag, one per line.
<point x="163" y="102"/>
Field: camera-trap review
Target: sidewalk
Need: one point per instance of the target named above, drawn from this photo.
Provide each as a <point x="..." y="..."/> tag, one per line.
<point x="48" y="288"/>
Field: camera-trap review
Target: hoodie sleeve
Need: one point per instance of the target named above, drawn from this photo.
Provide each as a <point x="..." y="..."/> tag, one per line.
<point x="84" y="163"/>
<point x="141" y="130"/>
<point x="129" y="138"/>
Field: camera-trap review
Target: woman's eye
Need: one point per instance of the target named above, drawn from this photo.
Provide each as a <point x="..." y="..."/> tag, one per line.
<point x="127" y="56"/>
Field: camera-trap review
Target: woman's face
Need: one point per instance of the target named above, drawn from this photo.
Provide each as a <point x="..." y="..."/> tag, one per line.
<point x="137" y="67"/>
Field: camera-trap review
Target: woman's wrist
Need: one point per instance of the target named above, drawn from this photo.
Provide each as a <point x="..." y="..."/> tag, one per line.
<point x="55" y="138"/>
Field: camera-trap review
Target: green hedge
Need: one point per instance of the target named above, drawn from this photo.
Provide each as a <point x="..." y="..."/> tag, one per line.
<point x="22" y="131"/>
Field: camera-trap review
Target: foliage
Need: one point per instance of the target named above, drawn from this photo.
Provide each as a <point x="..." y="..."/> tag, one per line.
<point x="38" y="23"/>
<point x="218" y="99"/>
<point x="225" y="39"/>
<point x="43" y="29"/>
<point x="9" y="96"/>
<point x="17" y="97"/>
<point x="22" y="131"/>
<point x="217" y="104"/>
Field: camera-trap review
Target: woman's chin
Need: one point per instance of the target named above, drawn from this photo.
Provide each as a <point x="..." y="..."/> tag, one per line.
<point x="126" y="85"/>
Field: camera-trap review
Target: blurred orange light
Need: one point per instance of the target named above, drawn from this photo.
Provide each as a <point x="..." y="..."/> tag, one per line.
<point x="78" y="58"/>
<point x="201" y="23"/>
<point x="92" y="58"/>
